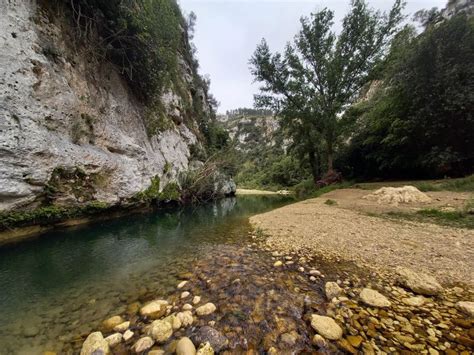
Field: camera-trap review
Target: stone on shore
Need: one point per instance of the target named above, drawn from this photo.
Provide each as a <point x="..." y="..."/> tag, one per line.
<point x="374" y="298"/>
<point x="185" y="347"/>
<point x="95" y="344"/>
<point x="112" y="322"/>
<point x="155" y="309"/>
<point x="332" y="290"/>
<point x="160" y="330"/>
<point x="278" y="263"/>
<point x="185" y="294"/>
<point x="114" y="339"/>
<point x="466" y="307"/>
<point x="196" y="300"/>
<point x="143" y="344"/>
<point x="208" y="334"/>
<point x="326" y="327"/>
<point x="418" y="282"/>
<point x="206" y="309"/>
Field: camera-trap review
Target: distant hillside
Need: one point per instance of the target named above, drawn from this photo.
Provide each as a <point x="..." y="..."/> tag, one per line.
<point x="261" y="150"/>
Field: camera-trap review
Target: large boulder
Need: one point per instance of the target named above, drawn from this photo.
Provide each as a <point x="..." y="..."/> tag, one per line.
<point x="326" y="326"/>
<point x="155" y="309"/>
<point x="418" y="282"/>
<point x="208" y="334"/>
<point x="374" y="298"/>
<point x="95" y="344"/>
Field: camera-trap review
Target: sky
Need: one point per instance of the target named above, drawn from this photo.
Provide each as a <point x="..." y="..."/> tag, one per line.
<point x="228" y="31"/>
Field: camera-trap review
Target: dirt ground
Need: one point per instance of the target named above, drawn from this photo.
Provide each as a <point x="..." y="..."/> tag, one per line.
<point x="344" y="231"/>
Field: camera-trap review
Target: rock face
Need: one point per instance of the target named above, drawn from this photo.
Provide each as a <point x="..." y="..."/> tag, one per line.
<point x="374" y="298"/>
<point x="326" y="327"/>
<point x="418" y="282"/>
<point x="95" y="344"/>
<point x="62" y="112"/>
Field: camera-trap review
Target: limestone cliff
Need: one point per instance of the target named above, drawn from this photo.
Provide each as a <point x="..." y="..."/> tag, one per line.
<point x="71" y="129"/>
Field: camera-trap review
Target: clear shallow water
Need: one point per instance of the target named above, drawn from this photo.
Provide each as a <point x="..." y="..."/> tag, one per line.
<point x="60" y="285"/>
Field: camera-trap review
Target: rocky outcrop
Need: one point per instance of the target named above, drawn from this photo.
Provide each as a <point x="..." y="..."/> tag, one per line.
<point x="71" y="130"/>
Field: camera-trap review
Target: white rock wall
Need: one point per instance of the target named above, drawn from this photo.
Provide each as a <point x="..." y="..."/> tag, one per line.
<point x="44" y="102"/>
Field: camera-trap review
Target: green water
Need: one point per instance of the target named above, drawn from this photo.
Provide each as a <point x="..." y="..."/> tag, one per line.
<point x="60" y="285"/>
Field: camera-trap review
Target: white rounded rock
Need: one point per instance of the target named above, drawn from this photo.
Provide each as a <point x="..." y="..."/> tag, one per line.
<point x="326" y="327"/>
<point x="374" y="298"/>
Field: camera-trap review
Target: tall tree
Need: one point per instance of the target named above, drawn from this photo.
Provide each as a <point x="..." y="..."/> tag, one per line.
<point x="321" y="73"/>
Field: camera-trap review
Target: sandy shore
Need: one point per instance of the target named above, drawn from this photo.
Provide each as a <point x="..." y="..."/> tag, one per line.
<point x="339" y="233"/>
<point x="260" y="192"/>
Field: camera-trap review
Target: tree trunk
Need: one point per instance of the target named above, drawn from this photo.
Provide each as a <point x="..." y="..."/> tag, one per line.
<point x="330" y="157"/>
<point x="314" y="164"/>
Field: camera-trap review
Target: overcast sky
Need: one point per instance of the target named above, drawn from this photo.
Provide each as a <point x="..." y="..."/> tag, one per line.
<point x="227" y="32"/>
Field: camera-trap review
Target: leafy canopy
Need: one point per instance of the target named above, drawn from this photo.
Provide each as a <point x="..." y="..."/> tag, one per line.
<point x="321" y="72"/>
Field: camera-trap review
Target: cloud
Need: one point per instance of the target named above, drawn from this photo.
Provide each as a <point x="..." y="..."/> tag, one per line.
<point x="227" y="33"/>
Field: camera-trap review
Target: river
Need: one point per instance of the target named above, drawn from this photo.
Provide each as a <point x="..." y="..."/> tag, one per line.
<point x="63" y="284"/>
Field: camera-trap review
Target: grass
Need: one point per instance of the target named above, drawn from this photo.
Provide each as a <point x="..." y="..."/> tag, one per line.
<point x="49" y="214"/>
<point x="308" y="189"/>
<point x="330" y="202"/>
<point x="465" y="184"/>
<point x="462" y="219"/>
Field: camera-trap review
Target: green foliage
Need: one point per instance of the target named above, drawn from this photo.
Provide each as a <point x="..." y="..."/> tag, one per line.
<point x="461" y="219"/>
<point x="49" y="214"/>
<point x="171" y="192"/>
<point x="420" y="124"/>
<point x="308" y="189"/>
<point x="460" y="185"/>
<point x="83" y="127"/>
<point x="330" y="202"/>
<point x="151" y="193"/>
<point x="313" y="81"/>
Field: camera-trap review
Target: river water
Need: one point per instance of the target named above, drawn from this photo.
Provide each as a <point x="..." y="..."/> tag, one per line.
<point x="62" y="285"/>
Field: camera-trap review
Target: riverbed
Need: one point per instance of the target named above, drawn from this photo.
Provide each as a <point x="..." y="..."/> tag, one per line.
<point x="63" y="284"/>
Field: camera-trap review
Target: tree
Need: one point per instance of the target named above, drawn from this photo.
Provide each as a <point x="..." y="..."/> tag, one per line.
<point x="421" y="123"/>
<point x="318" y="76"/>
